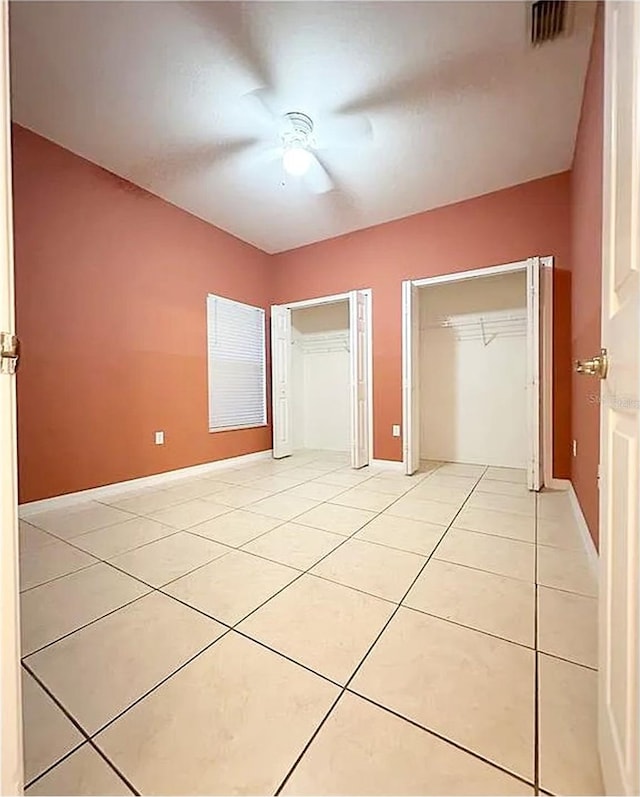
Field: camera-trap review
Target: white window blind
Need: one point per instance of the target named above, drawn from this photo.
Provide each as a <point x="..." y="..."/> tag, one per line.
<point x="237" y="373"/>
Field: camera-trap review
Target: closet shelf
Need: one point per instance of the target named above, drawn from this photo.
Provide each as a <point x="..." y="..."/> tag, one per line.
<point x="323" y="344"/>
<point x="483" y="326"/>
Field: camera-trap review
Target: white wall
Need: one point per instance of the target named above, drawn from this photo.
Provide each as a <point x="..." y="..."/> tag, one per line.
<point x="473" y="389"/>
<point x="321" y="377"/>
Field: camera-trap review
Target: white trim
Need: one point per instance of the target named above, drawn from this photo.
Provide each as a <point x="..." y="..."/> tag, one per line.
<point x="389" y="464"/>
<point x="239" y="428"/>
<point x="558" y="484"/>
<point x="407" y="419"/>
<point x="489" y="271"/>
<point x="336" y="297"/>
<point x="587" y="539"/>
<point x="11" y="747"/>
<point x="370" y="367"/>
<point x="155" y="480"/>
<point x="546" y="300"/>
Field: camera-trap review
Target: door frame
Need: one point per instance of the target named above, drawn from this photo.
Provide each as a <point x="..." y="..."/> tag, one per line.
<point x="545" y="348"/>
<point x="11" y="757"/>
<point x="344" y="297"/>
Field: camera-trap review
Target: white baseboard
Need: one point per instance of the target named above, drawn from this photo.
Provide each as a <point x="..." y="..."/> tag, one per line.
<point x="558" y="484"/>
<point x="587" y="539"/>
<point x="156" y="480"/>
<point x="392" y="464"/>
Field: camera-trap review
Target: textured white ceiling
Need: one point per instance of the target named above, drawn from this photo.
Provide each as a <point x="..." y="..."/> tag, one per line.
<point x="458" y="101"/>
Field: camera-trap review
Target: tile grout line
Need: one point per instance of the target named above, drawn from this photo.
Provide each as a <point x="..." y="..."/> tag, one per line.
<point x="301" y="573"/>
<point x="174" y="672"/>
<point x="198" y="567"/>
<point x="230" y="628"/>
<point x="152" y="588"/>
<point x="140" y="698"/>
<point x="495" y="636"/>
<point x="24" y="657"/>
<point x="263" y="644"/>
<point x="57" y="578"/>
<point x="55" y="764"/>
<point x="230" y="509"/>
<point x="133" y="514"/>
<point x="90" y="737"/>
<point x="440" y="736"/>
<point x="187" y="529"/>
<point x="469" y="627"/>
<point x="374" y="643"/>
<point x="482" y="569"/>
<point x="77" y="726"/>
<point x="116" y="769"/>
<point x="346" y="539"/>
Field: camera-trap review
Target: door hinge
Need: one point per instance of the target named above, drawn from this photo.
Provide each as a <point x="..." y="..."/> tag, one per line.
<point x="9" y="352"/>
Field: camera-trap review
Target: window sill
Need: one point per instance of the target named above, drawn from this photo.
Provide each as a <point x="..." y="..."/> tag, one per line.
<point x="239" y="428"/>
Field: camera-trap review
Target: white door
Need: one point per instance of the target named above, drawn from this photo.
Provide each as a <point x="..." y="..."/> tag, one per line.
<point x="281" y="381"/>
<point x="534" y="385"/>
<point x="359" y="356"/>
<point x="410" y="378"/>
<point x="619" y="656"/>
<point x="11" y="715"/>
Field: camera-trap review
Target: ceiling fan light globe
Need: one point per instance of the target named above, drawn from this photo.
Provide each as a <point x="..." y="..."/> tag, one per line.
<point x="296" y="160"/>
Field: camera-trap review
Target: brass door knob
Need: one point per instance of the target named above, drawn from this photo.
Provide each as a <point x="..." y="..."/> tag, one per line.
<point x="596" y="366"/>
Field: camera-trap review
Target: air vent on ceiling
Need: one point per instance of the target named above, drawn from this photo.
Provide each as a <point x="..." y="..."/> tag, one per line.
<point x="548" y="20"/>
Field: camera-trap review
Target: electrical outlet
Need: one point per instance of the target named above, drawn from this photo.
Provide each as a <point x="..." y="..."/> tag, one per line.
<point x="575" y="448"/>
<point x="395" y="430"/>
<point x="159" y="438"/>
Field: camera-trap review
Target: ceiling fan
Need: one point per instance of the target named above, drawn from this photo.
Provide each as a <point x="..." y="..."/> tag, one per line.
<point x="291" y="139"/>
<point x="301" y="144"/>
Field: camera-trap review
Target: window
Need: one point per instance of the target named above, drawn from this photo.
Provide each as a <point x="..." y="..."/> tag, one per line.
<point x="236" y="360"/>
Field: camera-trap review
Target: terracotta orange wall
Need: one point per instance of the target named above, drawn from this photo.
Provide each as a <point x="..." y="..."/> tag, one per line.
<point x="505" y="226"/>
<point x="586" y="256"/>
<point x="110" y="289"/>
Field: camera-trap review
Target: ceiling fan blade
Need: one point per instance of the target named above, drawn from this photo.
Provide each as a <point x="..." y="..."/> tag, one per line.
<point x="172" y="167"/>
<point x="267" y="154"/>
<point x="344" y="131"/>
<point x="478" y="72"/>
<point x="261" y="103"/>
<point x="318" y="178"/>
<point x="231" y="25"/>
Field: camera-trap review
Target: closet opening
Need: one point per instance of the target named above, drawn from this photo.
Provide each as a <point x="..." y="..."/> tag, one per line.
<point x="477" y="369"/>
<point x="321" y="397"/>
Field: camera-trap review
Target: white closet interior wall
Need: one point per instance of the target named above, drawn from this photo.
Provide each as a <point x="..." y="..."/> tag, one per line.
<point x="321" y="377"/>
<point x="473" y="356"/>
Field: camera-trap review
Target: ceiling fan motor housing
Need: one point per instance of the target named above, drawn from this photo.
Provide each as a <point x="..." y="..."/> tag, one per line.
<point x="298" y="130"/>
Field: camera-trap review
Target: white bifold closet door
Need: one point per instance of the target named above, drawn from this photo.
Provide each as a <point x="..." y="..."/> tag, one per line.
<point x="534" y="382"/>
<point x="410" y="377"/>
<point x="282" y="394"/>
<point x="359" y="357"/>
<point x="281" y="381"/>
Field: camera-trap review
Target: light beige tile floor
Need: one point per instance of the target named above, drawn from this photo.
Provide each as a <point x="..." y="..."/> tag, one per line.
<point x="49" y="562"/>
<point x="301" y="627"/>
